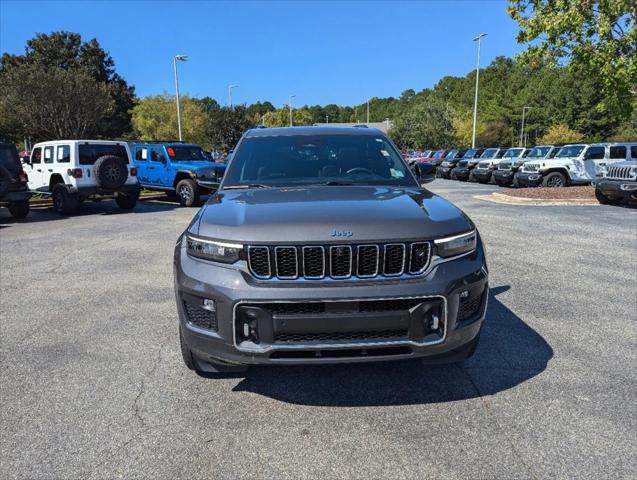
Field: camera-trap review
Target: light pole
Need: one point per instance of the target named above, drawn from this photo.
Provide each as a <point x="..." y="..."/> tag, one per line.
<point x="230" y="87"/>
<point x="524" y="109"/>
<point x="290" y="106"/>
<point x="327" y="119"/>
<point x="367" y="112"/>
<point x="475" y="102"/>
<point x="181" y="58"/>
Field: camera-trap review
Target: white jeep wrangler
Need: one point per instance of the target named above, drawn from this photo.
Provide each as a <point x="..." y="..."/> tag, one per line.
<point x="576" y="164"/>
<point x="76" y="170"/>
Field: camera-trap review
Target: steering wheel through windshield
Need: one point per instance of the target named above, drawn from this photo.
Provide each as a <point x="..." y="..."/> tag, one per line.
<point x="351" y="171"/>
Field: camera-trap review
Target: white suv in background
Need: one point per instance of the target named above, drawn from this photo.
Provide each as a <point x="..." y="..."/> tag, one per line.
<point x="576" y="164"/>
<point x="76" y="170"/>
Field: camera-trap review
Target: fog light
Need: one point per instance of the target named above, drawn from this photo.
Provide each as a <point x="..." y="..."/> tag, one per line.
<point x="209" y="304"/>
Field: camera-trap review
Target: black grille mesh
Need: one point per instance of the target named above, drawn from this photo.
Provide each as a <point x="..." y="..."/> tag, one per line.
<point x="394" y="259"/>
<point x="286" y="262"/>
<point x="340" y="336"/>
<point x="367" y="261"/>
<point x="388" y="305"/>
<point x="293" y="308"/>
<point x="340" y="261"/>
<point x="313" y="262"/>
<point x="469" y="308"/>
<point x="419" y="257"/>
<point x="201" y="318"/>
<point x="259" y="258"/>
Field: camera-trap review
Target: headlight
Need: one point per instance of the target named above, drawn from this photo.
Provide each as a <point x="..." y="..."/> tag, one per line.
<point x="453" y="246"/>
<point x="633" y="172"/>
<point x="215" y="251"/>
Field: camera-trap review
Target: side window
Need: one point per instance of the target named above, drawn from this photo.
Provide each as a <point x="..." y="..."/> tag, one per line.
<point x="48" y="154"/>
<point x="553" y="152"/>
<point x="157" y="154"/>
<point x="618" y="152"/>
<point x="500" y="153"/>
<point x="36" y="156"/>
<point x="595" y="153"/>
<point x="141" y="154"/>
<point x="633" y="152"/>
<point x="63" y="154"/>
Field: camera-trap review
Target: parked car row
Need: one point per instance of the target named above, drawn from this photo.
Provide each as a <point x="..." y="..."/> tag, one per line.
<point x="73" y="171"/>
<point x="611" y="167"/>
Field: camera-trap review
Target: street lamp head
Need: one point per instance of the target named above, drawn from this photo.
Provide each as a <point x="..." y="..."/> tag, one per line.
<point x="233" y="86"/>
<point x="181" y="58"/>
<point x="475" y="39"/>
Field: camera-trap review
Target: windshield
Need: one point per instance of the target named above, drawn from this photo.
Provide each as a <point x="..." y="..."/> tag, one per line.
<point x="317" y="159"/>
<point x="438" y="154"/>
<point x="539" y="152"/>
<point x="570" y="151"/>
<point x="451" y="154"/>
<point x="470" y="153"/>
<point x="489" y="153"/>
<point x="179" y="153"/>
<point x="426" y="153"/>
<point x="513" y="152"/>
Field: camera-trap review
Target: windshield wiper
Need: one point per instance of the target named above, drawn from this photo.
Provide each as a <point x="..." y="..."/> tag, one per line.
<point x="250" y="185"/>
<point x="336" y="183"/>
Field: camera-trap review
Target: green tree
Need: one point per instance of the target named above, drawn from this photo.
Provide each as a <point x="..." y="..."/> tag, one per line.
<point x="426" y="124"/>
<point x="155" y="118"/>
<point x="597" y="37"/>
<point x="224" y="126"/>
<point x="560" y="134"/>
<point x="66" y="51"/>
<point x="281" y="117"/>
<point x="53" y="103"/>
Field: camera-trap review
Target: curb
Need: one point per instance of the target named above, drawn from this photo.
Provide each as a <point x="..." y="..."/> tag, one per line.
<point x="539" y="202"/>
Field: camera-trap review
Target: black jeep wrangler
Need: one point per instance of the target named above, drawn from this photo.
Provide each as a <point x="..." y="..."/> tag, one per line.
<point x="14" y="193"/>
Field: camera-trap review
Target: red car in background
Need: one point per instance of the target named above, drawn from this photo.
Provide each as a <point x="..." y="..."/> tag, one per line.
<point x="435" y="157"/>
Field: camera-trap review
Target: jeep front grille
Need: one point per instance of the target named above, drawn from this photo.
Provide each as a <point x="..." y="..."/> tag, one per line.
<point x="504" y="166"/>
<point x="533" y="167"/>
<point x="484" y="165"/>
<point x="315" y="262"/>
<point x="463" y="163"/>
<point x="620" y="173"/>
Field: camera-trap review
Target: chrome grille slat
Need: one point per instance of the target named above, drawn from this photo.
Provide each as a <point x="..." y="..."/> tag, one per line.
<point x="338" y="262"/>
<point x="620" y="173"/>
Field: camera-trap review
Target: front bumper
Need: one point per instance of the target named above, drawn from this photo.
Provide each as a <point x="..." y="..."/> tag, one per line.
<point x="462" y="173"/>
<point x="503" y="177"/>
<point x="528" y="179"/>
<point x="444" y="172"/>
<point x="617" y="188"/>
<point x="236" y="292"/>
<point x="483" y="176"/>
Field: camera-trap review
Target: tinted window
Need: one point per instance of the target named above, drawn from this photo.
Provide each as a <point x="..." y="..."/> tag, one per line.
<point x="617" y="152"/>
<point x="89" y="153"/>
<point x="48" y="154"/>
<point x="489" y="153"/>
<point x="181" y="153"/>
<point x="633" y="152"/>
<point x="9" y="159"/>
<point x="512" y="153"/>
<point x="438" y="154"/>
<point x="316" y="159"/>
<point x="595" y="153"/>
<point x="570" y="151"/>
<point x="141" y="154"/>
<point x="157" y="154"/>
<point x="451" y="154"/>
<point x="500" y="153"/>
<point x="36" y="155"/>
<point x="63" y="154"/>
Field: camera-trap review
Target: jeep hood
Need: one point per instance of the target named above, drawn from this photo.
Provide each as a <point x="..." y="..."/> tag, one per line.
<point x="198" y="166"/>
<point x="313" y="214"/>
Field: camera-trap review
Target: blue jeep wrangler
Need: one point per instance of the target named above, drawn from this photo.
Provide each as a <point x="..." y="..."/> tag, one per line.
<point x="176" y="167"/>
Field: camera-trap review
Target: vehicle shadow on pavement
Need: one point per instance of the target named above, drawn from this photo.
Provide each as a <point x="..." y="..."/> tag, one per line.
<point x="106" y="207"/>
<point x="510" y="352"/>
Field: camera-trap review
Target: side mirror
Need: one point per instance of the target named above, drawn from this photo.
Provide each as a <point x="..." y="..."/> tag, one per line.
<point x="425" y="172"/>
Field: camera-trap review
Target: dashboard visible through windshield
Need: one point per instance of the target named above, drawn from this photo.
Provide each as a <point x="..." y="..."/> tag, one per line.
<point x="317" y="159"/>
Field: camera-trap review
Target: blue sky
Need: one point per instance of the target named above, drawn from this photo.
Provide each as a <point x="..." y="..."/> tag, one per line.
<point x="323" y="52"/>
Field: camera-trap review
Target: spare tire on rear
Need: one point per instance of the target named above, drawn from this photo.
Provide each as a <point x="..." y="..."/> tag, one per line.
<point x="111" y="172"/>
<point x="5" y="181"/>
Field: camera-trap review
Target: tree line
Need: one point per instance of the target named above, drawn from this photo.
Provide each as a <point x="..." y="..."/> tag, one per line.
<point x="63" y="87"/>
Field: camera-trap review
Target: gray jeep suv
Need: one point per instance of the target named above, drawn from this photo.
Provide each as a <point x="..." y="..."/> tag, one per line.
<point x="320" y="246"/>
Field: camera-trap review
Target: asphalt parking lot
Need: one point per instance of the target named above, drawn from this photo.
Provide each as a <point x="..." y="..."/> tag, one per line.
<point x="93" y="385"/>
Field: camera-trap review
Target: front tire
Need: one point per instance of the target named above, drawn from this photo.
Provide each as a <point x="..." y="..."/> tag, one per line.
<point x="64" y="201"/>
<point x="187" y="193"/>
<point x="554" y="180"/>
<point x="606" y="200"/>
<point x="127" y="201"/>
<point x="19" y="209"/>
